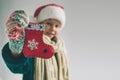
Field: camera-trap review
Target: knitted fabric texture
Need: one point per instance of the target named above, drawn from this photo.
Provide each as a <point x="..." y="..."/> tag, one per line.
<point x="17" y="17"/>
<point x="54" y="68"/>
<point x="15" y="30"/>
<point x="16" y="46"/>
<point x="34" y="45"/>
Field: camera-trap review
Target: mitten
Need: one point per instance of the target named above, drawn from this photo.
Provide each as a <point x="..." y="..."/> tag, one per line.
<point x="34" y="45"/>
<point x="15" y="26"/>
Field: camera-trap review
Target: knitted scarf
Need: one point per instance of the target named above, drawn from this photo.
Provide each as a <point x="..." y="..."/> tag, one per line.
<point x="54" y="68"/>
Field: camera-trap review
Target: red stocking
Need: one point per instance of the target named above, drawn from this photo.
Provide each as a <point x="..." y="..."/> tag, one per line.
<point x="34" y="45"/>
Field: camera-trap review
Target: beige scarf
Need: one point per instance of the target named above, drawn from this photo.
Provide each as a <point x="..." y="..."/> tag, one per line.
<point x="54" y="68"/>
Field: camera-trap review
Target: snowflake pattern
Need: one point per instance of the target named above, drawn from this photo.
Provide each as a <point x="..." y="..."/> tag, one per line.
<point x="32" y="44"/>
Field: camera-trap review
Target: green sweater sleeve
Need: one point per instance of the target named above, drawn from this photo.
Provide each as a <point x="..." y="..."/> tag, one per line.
<point x="19" y="64"/>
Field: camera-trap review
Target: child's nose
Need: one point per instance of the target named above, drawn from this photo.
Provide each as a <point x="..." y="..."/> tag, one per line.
<point x="53" y="27"/>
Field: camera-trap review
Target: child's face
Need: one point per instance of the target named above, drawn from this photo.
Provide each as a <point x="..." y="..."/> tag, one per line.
<point x="52" y="27"/>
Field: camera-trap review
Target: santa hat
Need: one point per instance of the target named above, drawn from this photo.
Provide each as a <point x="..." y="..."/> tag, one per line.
<point x="48" y="11"/>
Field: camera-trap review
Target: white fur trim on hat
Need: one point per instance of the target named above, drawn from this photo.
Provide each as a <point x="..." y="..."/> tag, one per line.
<point x="54" y="12"/>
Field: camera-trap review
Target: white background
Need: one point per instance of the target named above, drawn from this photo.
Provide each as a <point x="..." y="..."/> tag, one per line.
<point x="91" y="34"/>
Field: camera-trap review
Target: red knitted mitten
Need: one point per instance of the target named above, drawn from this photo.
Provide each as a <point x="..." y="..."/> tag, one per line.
<point x="15" y="25"/>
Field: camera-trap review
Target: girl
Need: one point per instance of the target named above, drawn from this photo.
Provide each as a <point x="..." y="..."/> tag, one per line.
<point x="37" y="68"/>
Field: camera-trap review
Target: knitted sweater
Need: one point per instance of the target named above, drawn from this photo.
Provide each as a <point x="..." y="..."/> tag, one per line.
<point x="20" y="64"/>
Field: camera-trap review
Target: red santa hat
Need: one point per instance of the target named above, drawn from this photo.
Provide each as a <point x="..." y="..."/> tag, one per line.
<point x="48" y="11"/>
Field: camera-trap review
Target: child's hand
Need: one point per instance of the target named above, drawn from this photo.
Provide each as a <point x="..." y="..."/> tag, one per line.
<point x="16" y="23"/>
<point x="15" y="26"/>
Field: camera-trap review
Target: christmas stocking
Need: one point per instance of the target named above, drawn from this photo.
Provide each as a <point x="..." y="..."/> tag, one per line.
<point x="34" y="45"/>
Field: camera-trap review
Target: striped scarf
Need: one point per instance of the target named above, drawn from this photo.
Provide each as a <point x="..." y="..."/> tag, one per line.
<point x="54" y="68"/>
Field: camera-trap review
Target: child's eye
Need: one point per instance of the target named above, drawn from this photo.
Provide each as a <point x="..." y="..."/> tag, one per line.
<point x="48" y="23"/>
<point x="57" y="26"/>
